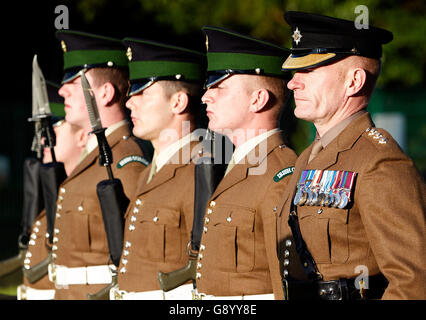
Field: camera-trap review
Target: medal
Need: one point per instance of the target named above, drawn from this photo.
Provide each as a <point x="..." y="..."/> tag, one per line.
<point x="307" y="189"/>
<point x="346" y="190"/>
<point x="303" y="199"/>
<point x="297" y="197"/>
<point x="333" y="190"/>
<point x="300" y="187"/>
<point x="324" y="185"/>
<point x="343" y="200"/>
<point x="340" y="189"/>
<point x="319" y="187"/>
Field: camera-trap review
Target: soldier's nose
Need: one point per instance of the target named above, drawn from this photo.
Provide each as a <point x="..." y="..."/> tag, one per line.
<point x="295" y="83"/>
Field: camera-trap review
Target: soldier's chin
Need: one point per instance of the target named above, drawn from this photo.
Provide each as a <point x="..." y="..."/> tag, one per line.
<point x="302" y="113"/>
<point x="142" y="134"/>
<point x="213" y="126"/>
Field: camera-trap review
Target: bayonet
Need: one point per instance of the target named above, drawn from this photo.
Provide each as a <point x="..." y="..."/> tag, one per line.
<point x="92" y="107"/>
<point x="111" y="196"/>
<point x="41" y="114"/>
<point x="105" y="153"/>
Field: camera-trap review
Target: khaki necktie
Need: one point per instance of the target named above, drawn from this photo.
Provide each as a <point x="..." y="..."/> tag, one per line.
<point x="316" y="148"/>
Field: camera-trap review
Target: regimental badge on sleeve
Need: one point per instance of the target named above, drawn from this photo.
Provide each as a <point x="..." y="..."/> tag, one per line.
<point x="130" y="159"/>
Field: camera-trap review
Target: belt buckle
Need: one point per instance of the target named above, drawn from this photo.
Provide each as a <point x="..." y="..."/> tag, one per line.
<point x="118" y="295"/>
<point x="52" y="272"/>
<point x="331" y="290"/>
<point x="22" y="292"/>
<point x="196" y="295"/>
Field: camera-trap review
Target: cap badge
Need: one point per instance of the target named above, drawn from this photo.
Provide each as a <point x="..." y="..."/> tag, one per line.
<point x="129" y="53"/>
<point x="63" y="45"/>
<point x="296" y="36"/>
<point x="207" y="43"/>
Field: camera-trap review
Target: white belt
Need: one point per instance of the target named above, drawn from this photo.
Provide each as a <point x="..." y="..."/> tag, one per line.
<point x="27" y="293"/>
<point x="202" y="296"/>
<point x="180" y="293"/>
<point x="62" y="276"/>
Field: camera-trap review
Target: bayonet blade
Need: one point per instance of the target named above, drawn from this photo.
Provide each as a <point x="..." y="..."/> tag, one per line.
<point x="40" y="97"/>
<point x="92" y="108"/>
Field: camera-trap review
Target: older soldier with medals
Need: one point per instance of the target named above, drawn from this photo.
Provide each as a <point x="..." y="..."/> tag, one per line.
<point x="351" y="224"/>
<point x="82" y="263"/>
<point x="245" y="94"/>
<point x="165" y="90"/>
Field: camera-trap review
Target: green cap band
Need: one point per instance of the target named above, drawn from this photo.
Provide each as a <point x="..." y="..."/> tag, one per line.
<point x="147" y="69"/>
<point x="270" y="65"/>
<point x="77" y="58"/>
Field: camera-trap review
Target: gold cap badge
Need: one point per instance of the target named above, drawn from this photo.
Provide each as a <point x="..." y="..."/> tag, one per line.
<point x="207" y="43"/>
<point x="129" y="53"/>
<point x="64" y="46"/>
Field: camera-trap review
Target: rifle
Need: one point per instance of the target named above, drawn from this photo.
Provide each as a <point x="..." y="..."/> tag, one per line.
<point x="112" y="198"/>
<point x="41" y="181"/>
<point x="52" y="174"/>
<point x="207" y="175"/>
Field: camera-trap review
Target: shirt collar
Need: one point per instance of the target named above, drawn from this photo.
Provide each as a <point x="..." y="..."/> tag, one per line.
<point x="164" y="156"/>
<point x="338" y="128"/>
<point x="92" y="142"/>
<point x="241" y="151"/>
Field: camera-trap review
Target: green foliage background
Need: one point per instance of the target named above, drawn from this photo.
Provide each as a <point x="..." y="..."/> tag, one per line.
<point x="404" y="57"/>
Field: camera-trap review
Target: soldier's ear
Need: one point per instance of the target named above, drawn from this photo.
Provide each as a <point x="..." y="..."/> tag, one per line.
<point x="107" y="94"/>
<point x="179" y="102"/>
<point x="355" y="81"/>
<point x="258" y="100"/>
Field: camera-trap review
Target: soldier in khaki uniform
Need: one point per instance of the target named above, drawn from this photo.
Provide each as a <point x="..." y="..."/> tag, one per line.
<point x="165" y="89"/>
<point x="352" y="220"/>
<point x="70" y="142"/>
<point x="80" y="250"/>
<point x="246" y="92"/>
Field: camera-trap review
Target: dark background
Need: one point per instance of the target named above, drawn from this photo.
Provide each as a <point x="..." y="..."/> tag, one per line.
<point x="27" y="29"/>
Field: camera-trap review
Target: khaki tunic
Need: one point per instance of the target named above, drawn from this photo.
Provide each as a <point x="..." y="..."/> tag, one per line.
<point x="383" y="228"/>
<point x="37" y="251"/>
<point x="158" y="225"/>
<point x="238" y="252"/>
<point x="79" y="227"/>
